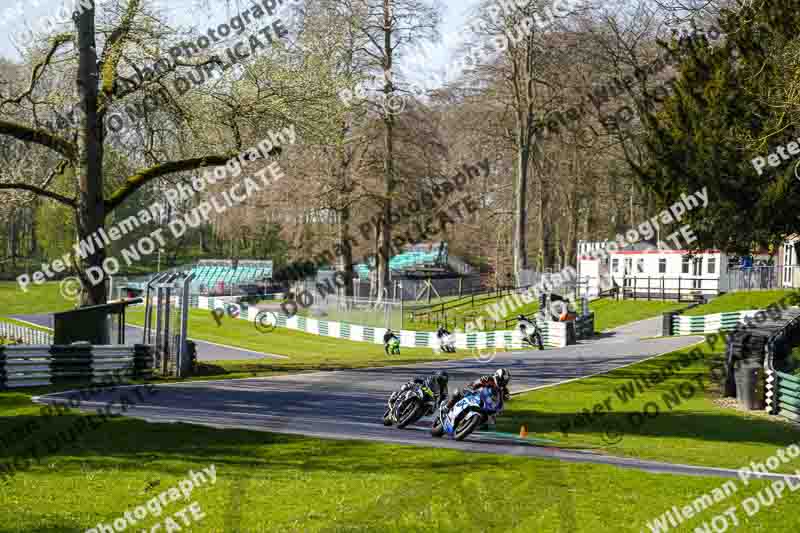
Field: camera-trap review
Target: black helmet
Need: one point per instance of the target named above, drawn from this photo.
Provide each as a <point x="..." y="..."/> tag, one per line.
<point x="442" y="377"/>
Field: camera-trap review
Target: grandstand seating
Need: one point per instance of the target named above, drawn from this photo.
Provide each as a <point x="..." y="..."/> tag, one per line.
<point x="210" y="276"/>
<point x="414" y="257"/>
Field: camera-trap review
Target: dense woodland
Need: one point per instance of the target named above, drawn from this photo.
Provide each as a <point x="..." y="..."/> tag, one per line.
<point x="593" y="118"/>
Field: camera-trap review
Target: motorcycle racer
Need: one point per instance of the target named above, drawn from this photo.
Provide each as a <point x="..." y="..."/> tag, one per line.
<point x="388" y="339"/>
<point x="437" y="383"/>
<point x="498" y="381"/>
<point x="445" y="340"/>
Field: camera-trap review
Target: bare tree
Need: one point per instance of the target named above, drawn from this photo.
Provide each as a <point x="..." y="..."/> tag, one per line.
<point x="81" y="157"/>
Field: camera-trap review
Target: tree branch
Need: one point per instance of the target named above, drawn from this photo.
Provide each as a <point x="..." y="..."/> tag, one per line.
<point x="134" y="182"/>
<point x="38" y="69"/>
<point x="39" y="192"/>
<point x="113" y="52"/>
<point x="40" y="137"/>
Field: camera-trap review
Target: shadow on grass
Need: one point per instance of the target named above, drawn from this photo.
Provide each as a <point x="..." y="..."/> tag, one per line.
<point x="49" y="528"/>
<point x="130" y="444"/>
<point x="611" y="429"/>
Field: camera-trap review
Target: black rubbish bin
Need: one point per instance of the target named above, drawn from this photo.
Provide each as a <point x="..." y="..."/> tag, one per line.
<point x="748" y="374"/>
<point x="666" y="323"/>
<point x="191" y="352"/>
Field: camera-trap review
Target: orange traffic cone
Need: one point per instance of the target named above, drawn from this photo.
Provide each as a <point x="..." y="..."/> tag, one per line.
<point x="523" y="431"/>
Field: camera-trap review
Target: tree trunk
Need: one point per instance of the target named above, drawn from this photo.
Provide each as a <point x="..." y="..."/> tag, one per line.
<point x="520" y="246"/>
<point x="13" y="239"/>
<point x="91" y="207"/>
<point x="203" y="241"/>
<point x="384" y="240"/>
<point x="34" y="242"/>
<point x="346" y="255"/>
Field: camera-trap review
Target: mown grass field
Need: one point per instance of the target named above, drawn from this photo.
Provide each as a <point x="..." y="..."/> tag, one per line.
<point x="610" y="313"/>
<point x="44" y="298"/>
<point x="270" y="483"/>
<point x="741" y="301"/>
<point x="306" y="351"/>
<point x="688" y="425"/>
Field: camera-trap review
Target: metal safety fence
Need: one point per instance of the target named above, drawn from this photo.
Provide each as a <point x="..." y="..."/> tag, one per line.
<point x="35" y="366"/>
<point x="16" y="334"/>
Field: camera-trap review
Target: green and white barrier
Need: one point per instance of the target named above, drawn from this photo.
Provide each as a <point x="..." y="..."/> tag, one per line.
<point x="554" y="334"/>
<point x="691" y="325"/>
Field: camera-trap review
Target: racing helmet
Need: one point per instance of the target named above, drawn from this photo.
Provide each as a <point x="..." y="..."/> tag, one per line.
<point x="502" y="377"/>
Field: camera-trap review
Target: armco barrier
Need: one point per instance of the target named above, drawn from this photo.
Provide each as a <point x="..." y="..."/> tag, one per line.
<point x="692" y="325"/>
<point x="31" y="366"/>
<point x="554" y="334"/>
<point x="782" y="390"/>
<point x="27" y="335"/>
<point x="783" y="395"/>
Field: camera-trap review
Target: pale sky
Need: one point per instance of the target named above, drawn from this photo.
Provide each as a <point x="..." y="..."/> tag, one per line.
<point x="17" y="15"/>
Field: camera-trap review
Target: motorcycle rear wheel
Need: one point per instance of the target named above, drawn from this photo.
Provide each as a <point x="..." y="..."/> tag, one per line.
<point x="437" y="430"/>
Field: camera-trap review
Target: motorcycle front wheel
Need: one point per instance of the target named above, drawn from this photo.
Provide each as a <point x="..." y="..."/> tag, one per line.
<point x="409" y="413"/>
<point x="464" y="429"/>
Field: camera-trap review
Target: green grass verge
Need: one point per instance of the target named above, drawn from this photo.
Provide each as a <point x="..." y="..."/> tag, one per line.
<point x="689" y="428"/>
<point x="739" y="301"/>
<point x="457" y="317"/>
<point x="44" y="298"/>
<point x="267" y="482"/>
<point x="610" y="313"/>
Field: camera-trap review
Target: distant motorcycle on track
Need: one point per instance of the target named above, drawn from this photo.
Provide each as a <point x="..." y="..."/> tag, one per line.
<point x="394" y="347"/>
<point x="531" y="334"/>
<point x="447" y="343"/>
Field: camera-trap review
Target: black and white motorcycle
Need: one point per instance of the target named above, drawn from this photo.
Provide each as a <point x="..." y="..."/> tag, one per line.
<point x="407" y="406"/>
<point x="447" y="342"/>
<point x="531" y="334"/>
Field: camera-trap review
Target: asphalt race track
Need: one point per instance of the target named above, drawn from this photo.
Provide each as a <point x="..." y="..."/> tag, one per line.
<point x="350" y="404"/>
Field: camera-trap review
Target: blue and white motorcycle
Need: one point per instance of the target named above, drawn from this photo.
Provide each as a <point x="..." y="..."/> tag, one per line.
<point x="469" y="413"/>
